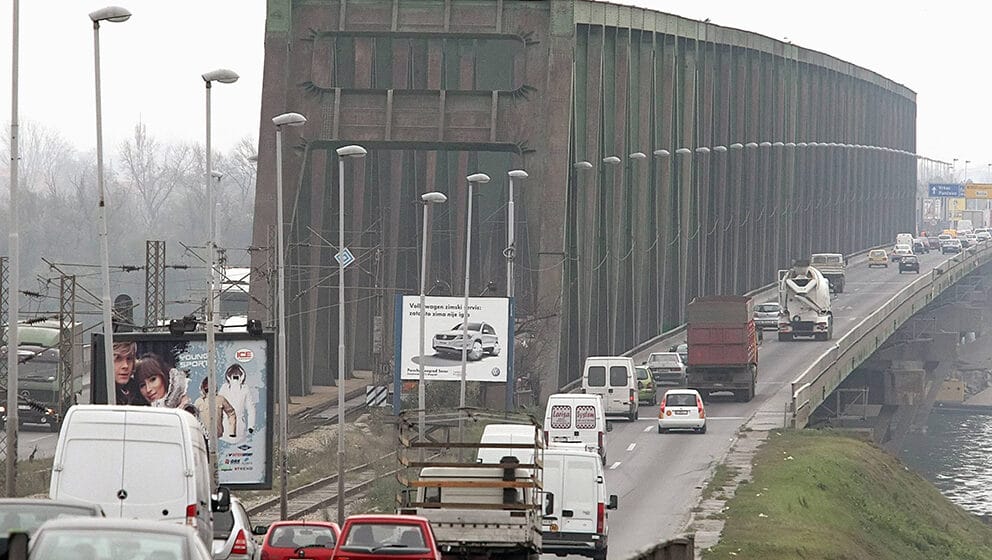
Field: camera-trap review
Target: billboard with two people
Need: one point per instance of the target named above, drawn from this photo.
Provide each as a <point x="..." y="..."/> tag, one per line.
<point x="166" y="370"/>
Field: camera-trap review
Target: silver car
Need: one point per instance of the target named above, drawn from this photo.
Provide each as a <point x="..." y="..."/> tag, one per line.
<point x="89" y="538"/>
<point x="766" y="315"/>
<point x="233" y="535"/>
<point x="482" y="340"/>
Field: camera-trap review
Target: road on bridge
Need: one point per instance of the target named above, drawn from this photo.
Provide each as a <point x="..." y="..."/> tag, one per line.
<point x="659" y="477"/>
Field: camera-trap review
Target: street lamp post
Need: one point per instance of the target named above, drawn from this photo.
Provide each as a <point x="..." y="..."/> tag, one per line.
<point x="428" y="199"/>
<point x="511" y="253"/>
<point x="285" y="119"/>
<point x="480" y="178"/>
<point x="112" y="14"/>
<point x="344" y="152"/>
<point x="13" y="300"/>
<point x="224" y="77"/>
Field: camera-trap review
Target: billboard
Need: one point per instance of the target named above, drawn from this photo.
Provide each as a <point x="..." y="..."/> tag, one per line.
<point x="162" y="369"/>
<point x="490" y="349"/>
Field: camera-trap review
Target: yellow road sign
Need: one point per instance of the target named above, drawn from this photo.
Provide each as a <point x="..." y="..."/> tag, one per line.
<point x="978" y="190"/>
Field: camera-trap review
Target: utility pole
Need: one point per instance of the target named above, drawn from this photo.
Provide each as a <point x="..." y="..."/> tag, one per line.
<point x="154" y="283"/>
<point x="9" y="458"/>
<point x="67" y="348"/>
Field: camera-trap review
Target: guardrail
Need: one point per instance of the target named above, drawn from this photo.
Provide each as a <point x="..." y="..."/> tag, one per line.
<point x="677" y="335"/>
<point x="812" y="386"/>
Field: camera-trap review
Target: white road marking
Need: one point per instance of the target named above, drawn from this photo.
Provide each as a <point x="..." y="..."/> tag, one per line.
<point x="615" y="465"/>
<point x="727" y="417"/>
<point x="631" y="447"/>
<point x="649" y="428"/>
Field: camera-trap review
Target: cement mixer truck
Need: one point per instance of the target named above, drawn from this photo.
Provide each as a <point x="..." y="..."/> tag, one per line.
<point x="804" y="296"/>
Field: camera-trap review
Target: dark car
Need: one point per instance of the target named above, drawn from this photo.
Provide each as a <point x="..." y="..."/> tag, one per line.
<point x="933" y="242"/>
<point x="920" y="246"/>
<point x="909" y="262"/>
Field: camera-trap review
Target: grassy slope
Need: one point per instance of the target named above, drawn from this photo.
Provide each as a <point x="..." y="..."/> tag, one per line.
<point x="827" y="495"/>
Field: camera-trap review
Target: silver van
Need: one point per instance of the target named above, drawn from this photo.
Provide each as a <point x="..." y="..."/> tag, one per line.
<point x="613" y="378"/>
<point x="137" y="463"/>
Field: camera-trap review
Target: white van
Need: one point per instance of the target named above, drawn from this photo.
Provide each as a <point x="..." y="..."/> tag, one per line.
<point x="575" y="504"/>
<point x="576" y="417"/>
<point x="904" y="239"/>
<point x="523" y="434"/>
<point x="614" y="379"/>
<point x="137" y="462"/>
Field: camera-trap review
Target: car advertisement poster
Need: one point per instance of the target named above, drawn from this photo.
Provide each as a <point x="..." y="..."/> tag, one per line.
<point x="165" y="370"/>
<point x="488" y="346"/>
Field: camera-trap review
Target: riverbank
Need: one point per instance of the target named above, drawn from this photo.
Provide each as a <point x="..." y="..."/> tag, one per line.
<point x="822" y="494"/>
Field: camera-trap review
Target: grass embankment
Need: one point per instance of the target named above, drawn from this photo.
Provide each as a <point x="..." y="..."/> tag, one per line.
<point x="825" y="495"/>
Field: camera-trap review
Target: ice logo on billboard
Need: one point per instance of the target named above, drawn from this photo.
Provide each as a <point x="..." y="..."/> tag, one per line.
<point x="244" y="447"/>
<point x="244" y="355"/>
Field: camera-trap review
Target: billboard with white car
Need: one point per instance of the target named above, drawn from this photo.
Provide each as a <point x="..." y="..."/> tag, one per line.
<point x="488" y="346"/>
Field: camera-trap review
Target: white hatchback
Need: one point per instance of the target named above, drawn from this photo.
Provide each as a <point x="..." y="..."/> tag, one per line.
<point x="682" y="409"/>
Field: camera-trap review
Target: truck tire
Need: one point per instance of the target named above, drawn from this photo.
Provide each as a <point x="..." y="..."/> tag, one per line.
<point x="599" y="555"/>
<point x="840" y="286"/>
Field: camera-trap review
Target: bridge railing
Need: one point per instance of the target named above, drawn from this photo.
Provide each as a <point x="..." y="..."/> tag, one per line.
<point x="811" y="387"/>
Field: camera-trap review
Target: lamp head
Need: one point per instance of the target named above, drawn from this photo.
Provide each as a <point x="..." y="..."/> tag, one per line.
<point x="113" y="14"/>
<point x="661" y="153"/>
<point x="518" y="174"/>
<point x="637" y="155"/>
<point x="289" y="119"/>
<point x="433" y="198"/>
<point x="217" y="175"/>
<point x="720" y="149"/>
<point x="222" y="75"/>
<point x="480" y="178"/>
<point x="703" y="150"/>
<point x="353" y="150"/>
<point x="253" y="158"/>
<point x="736" y="146"/>
<point x="683" y="151"/>
<point x="612" y="160"/>
<point x="582" y="165"/>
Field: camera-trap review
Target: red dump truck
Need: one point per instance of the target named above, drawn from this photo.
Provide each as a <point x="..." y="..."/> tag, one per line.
<point x="723" y="346"/>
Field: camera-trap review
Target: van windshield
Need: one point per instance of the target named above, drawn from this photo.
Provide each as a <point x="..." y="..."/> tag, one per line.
<point x="618" y="376"/>
<point x="596" y="376"/>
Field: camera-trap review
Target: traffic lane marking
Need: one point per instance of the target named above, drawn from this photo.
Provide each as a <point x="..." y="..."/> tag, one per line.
<point x="631" y="447"/>
<point x="615" y="465"/>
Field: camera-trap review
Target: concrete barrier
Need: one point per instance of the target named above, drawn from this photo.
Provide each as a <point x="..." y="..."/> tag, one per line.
<point x="827" y="371"/>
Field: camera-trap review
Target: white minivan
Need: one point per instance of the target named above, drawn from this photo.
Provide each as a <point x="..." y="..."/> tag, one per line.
<point x="524" y="435"/>
<point x="137" y="462"/>
<point x="613" y="378"/>
<point x="575" y="503"/>
<point x="576" y="417"/>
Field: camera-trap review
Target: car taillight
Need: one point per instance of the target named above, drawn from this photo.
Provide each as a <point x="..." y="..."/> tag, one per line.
<point x="191" y="515"/>
<point x="600" y="517"/>
<point x="240" y="543"/>
<point x="545" y="437"/>
<point x="601" y="446"/>
<point x="661" y="409"/>
<point x="632" y="395"/>
<point x="699" y="405"/>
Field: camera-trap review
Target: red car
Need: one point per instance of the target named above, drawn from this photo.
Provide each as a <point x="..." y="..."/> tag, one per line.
<point x="299" y="540"/>
<point x="386" y="537"/>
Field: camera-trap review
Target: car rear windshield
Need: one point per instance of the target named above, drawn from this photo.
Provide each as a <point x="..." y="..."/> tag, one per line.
<point x="385" y="538"/>
<point x="681" y="399"/>
<point x="295" y="536"/>
<point x="28" y="517"/>
<point x="665" y="360"/>
<point x="768" y="308"/>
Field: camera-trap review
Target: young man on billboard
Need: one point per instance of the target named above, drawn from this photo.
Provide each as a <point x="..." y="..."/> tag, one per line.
<point x="127" y="388"/>
<point x="224" y="410"/>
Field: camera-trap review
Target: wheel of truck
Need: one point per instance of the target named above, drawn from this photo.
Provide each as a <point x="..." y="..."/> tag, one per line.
<point x="599" y="555"/>
<point x="840" y="287"/>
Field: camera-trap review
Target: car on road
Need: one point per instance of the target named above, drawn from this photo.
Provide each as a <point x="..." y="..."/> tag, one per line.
<point x="27" y="514"/>
<point x="292" y="540"/>
<point x="909" y="263"/>
<point x="933" y="241"/>
<point x="646" y="390"/>
<point x="951" y="245"/>
<point x="920" y="246"/>
<point x="392" y="537"/>
<point x="766" y="315"/>
<point x="233" y="534"/>
<point x="667" y="368"/>
<point x="900" y="251"/>
<point x="972" y="239"/>
<point x="983" y="235"/>
<point x="82" y="538"/>
<point x="682" y="349"/>
<point x="482" y="340"/>
<point x="682" y="409"/>
<point x="878" y="257"/>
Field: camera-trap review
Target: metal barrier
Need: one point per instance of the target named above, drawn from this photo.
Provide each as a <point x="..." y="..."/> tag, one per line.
<point x="811" y="387"/>
<point x="681" y="548"/>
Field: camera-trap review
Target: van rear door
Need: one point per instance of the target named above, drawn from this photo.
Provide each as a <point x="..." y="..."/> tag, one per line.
<point x="553" y="483"/>
<point x="580" y="484"/>
<point x="158" y="474"/>
<point x="619" y="394"/>
<point x="91" y="437"/>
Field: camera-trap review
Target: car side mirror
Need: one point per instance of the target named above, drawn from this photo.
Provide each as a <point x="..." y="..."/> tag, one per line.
<point x="17" y="546"/>
<point x="259" y="530"/>
<point x="609" y="426"/>
<point x="613" y="502"/>
<point x="549" y="503"/>
<point x="221" y="501"/>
